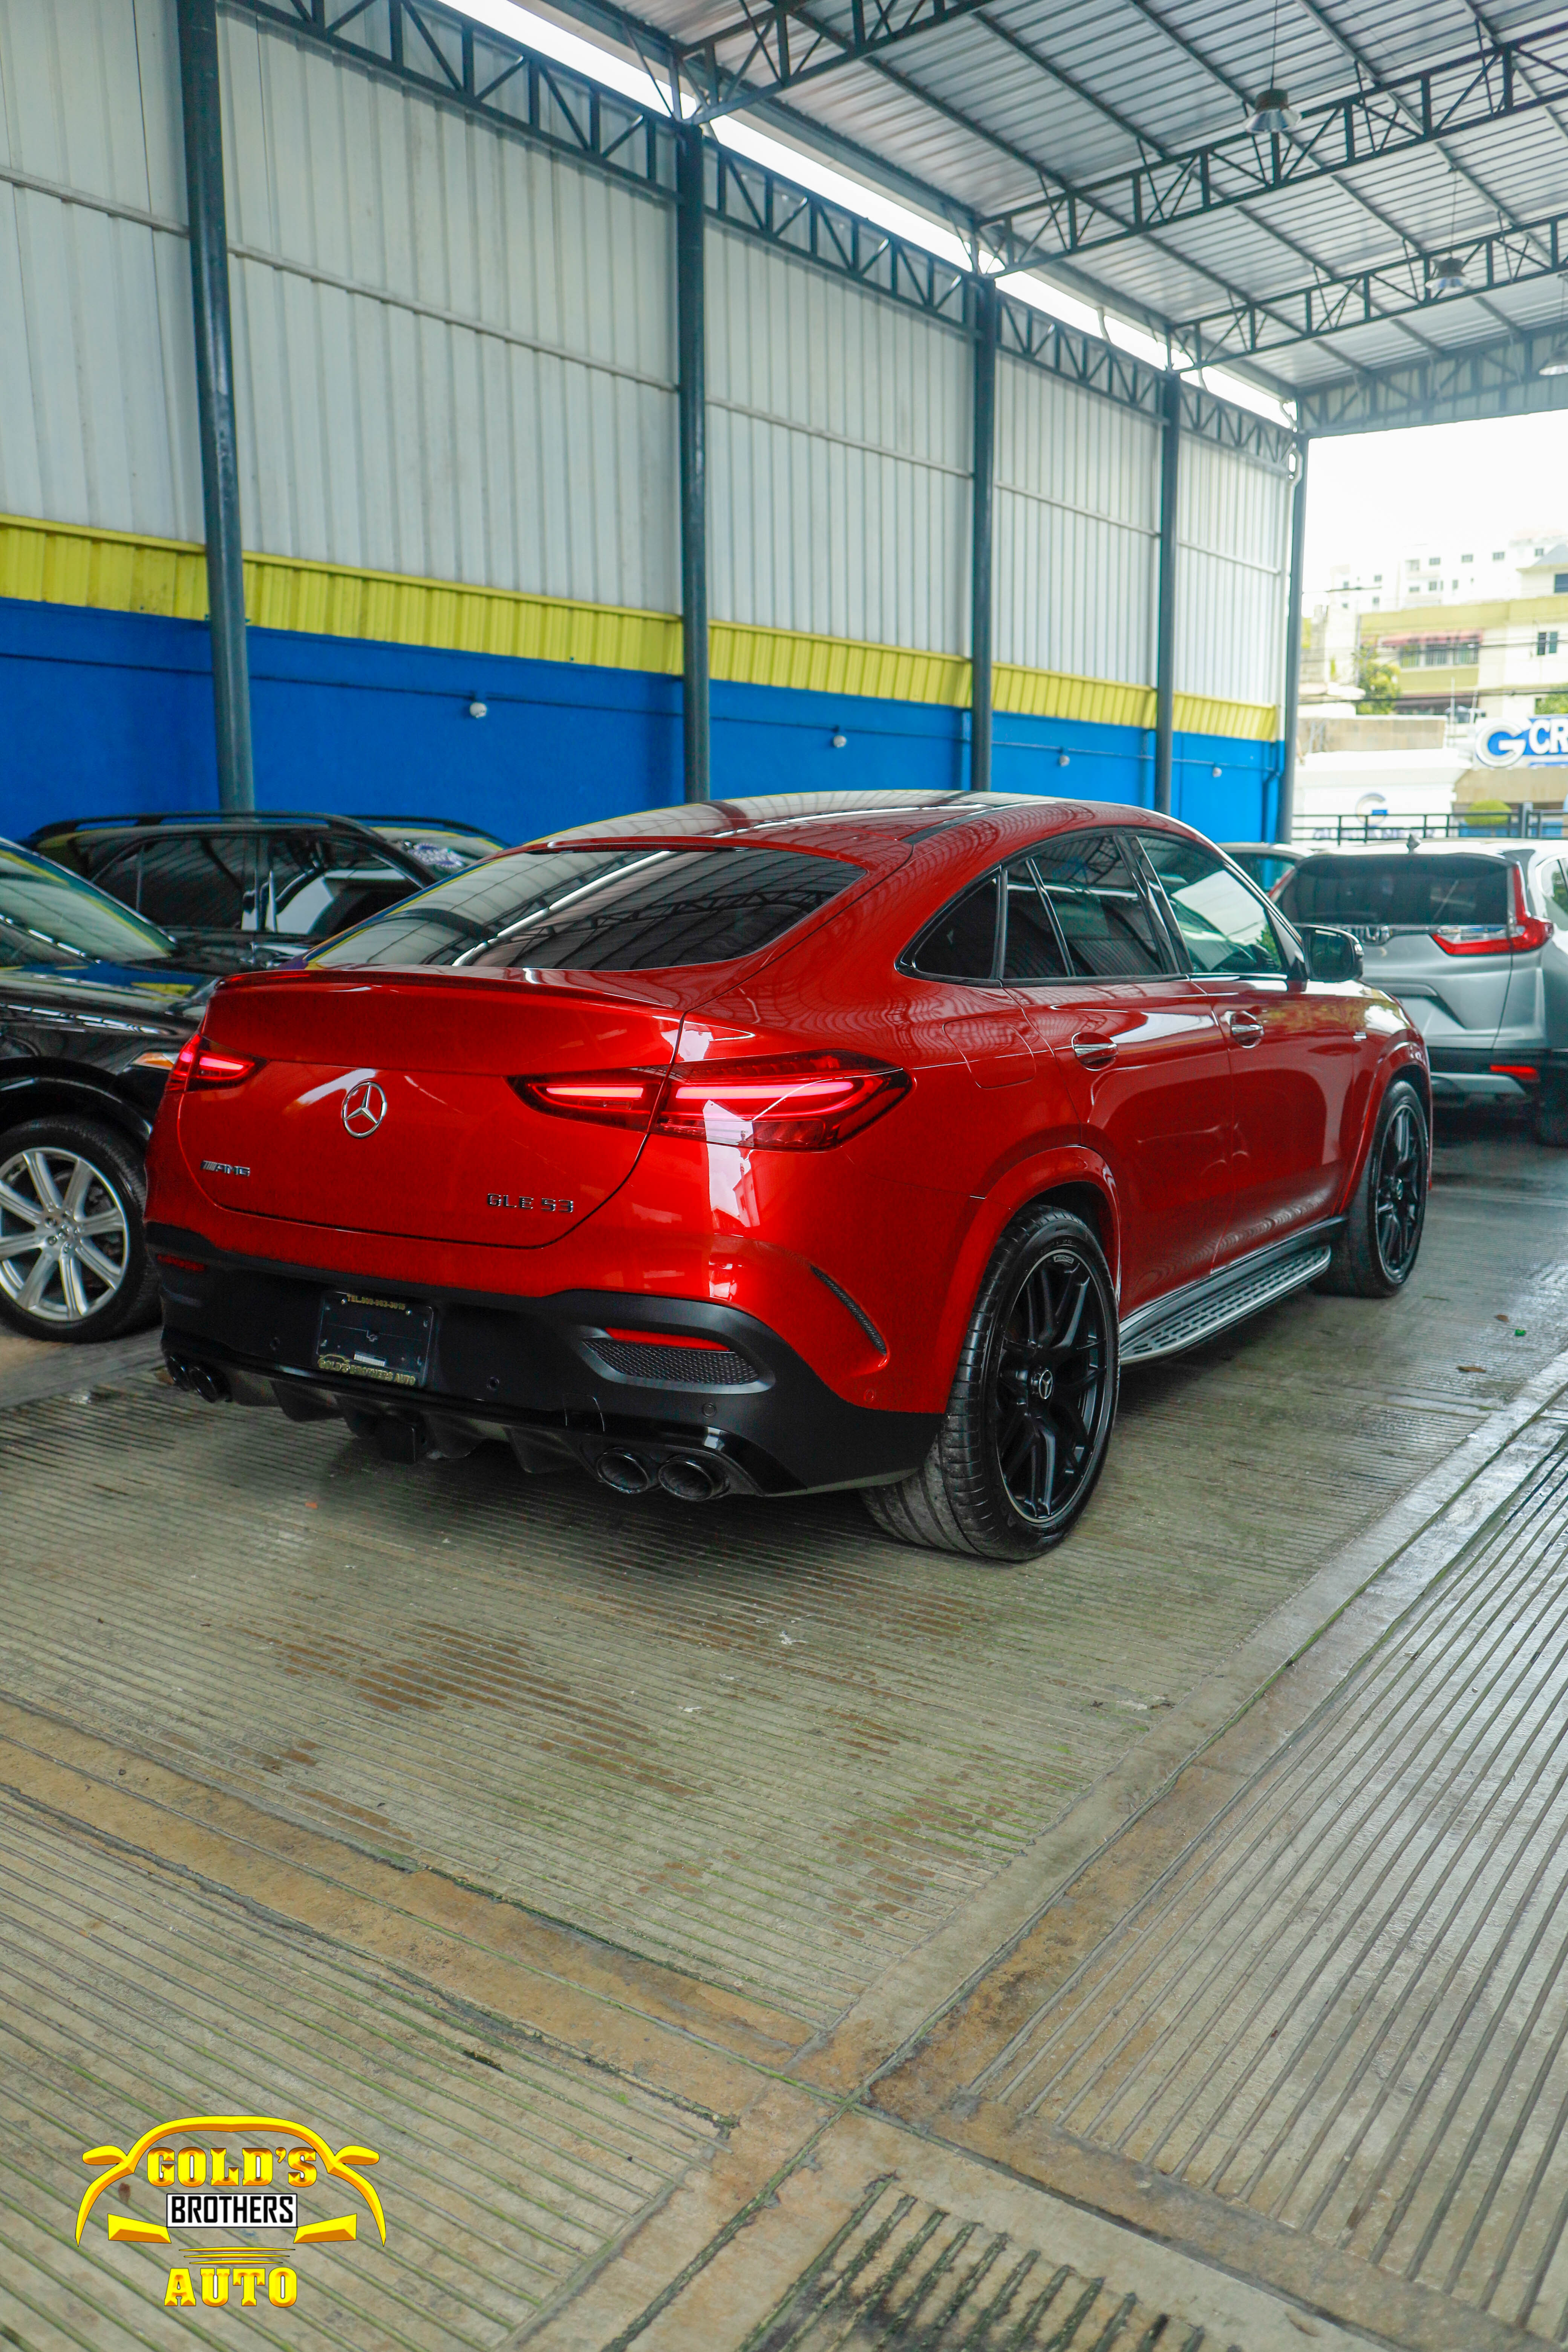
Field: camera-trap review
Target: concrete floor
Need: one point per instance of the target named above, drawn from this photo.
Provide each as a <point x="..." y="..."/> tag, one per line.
<point x="679" y="1901"/>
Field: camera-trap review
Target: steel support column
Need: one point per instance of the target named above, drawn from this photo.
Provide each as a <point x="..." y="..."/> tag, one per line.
<point x="688" y="296"/>
<point x="203" y="122"/>
<point x="1285" y="814"/>
<point x="981" y="589"/>
<point x="1165" y="628"/>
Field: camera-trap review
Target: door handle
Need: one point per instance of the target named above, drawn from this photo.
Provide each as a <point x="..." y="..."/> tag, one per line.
<point x="1095" y="1053"/>
<point x="1245" y="1028"/>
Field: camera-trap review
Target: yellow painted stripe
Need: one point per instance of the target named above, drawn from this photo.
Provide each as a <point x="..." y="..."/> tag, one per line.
<point x="127" y="571"/>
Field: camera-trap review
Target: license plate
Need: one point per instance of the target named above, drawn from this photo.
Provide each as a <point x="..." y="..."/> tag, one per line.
<point x="374" y="1338"/>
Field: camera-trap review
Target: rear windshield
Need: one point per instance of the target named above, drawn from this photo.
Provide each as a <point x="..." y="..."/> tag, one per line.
<point x="629" y="909"/>
<point x="1403" y="890"/>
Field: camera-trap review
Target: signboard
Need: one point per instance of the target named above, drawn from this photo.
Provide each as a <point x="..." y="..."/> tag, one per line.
<point x="1538" y="743"/>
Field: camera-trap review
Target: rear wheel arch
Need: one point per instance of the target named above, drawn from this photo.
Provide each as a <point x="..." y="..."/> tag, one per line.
<point x="25" y="1097"/>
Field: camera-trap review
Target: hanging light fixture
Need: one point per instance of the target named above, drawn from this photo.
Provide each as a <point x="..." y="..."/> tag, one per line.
<point x="1273" y="111"/>
<point x="1446" y="271"/>
<point x="1556" y="361"/>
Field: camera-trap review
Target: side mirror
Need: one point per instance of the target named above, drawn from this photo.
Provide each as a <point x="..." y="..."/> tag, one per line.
<point x="1332" y="955"/>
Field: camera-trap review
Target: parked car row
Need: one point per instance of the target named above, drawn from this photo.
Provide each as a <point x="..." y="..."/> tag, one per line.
<point x="731" y="1152"/>
<point x="97" y="1000"/>
<point x="1472" y="938"/>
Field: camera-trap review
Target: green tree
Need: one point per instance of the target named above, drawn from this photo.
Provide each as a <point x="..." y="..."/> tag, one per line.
<point x="1552" y="706"/>
<point x="1379" y="684"/>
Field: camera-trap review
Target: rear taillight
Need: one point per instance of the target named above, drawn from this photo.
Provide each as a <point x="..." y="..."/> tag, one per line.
<point x="1522" y="931"/>
<point x="201" y="1064"/>
<point x="779" y="1102"/>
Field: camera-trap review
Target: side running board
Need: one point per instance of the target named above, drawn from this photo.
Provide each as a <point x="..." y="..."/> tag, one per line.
<point x="1186" y="1317"/>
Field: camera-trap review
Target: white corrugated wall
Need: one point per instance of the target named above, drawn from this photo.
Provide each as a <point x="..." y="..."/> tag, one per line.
<point x="494" y="403"/>
<point x="1077" y="524"/>
<point x="455" y="357"/>
<point x="838" y="433"/>
<point x="98" y="419"/>
<point x="1233" y="551"/>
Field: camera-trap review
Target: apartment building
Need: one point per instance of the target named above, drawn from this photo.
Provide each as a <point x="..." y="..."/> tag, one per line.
<point x="1491" y="655"/>
<point x="1443" y="573"/>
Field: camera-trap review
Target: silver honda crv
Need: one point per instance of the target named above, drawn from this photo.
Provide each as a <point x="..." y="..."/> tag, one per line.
<point x="1472" y="938"/>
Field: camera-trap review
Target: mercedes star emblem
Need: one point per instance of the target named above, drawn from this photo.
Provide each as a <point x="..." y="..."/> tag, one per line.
<point x="365" y="1107"/>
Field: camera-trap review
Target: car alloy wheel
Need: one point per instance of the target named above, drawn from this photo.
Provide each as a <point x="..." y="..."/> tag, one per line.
<point x="65" y="1235"/>
<point x="1028" y="1419"/>
<point x="1399" y="1189"/>
<point x="1048" y="1383"/>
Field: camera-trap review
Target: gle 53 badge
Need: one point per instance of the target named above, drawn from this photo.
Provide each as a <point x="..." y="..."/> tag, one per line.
<point x="233" y="2197"/>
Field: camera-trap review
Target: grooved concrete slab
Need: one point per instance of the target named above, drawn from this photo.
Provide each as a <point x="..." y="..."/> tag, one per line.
<point x="130" y="1995"/>
<point x="1346" y="2004"/>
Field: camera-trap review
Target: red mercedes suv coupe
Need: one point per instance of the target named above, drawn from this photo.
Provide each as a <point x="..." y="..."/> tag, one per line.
<point x="840" y="1139"/>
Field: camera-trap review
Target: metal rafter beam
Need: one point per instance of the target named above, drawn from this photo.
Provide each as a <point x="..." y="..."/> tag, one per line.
<point x="1393" y="290"/>
<point x="1496" y="81"/>
<point x="1502" y="378"/>
<point x="774" y="46"/>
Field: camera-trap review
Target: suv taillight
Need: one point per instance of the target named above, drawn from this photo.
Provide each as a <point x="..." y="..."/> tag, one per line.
<point x="201" y="1064"/>
<point x="775" y="1102"/>
<point x="1522" y="931"/>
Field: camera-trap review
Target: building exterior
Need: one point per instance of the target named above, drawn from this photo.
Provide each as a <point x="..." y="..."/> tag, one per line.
<point x="457" y="389"/>
<point x="1456" y="571"/>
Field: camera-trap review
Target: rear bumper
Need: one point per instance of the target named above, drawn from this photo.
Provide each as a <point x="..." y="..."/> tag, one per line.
<point x="1492" y="1069"/>
<point x="541" y="1372"/>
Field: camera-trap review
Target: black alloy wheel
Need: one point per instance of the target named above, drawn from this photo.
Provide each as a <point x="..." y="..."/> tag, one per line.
<point x="1399" y="1188"/>
<point x="1052" y="1361"/>
<point x="1028" y="1421"/>
<point x="1376" y="1247"/>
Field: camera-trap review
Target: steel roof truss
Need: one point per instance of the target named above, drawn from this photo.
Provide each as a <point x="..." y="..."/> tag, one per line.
<point x="1512" y="257"/>
<point x="1499" y="80"/>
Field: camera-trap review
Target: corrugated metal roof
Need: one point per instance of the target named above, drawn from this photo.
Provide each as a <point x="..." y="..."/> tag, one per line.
<point x="993" y="107"/>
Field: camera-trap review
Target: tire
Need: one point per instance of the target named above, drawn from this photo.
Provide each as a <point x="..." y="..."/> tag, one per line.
<point x="1024" y="1438"/>
<point x="1552" y="1113"/>
<point x="1377" y="1246"/>
<point x="74" y="1264"/>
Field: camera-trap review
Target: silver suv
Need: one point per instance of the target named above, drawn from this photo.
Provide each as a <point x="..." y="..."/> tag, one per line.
<point x="1473" y="941"/>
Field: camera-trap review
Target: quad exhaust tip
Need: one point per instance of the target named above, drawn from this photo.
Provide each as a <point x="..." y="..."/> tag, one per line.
<point x="689" y="1477"/>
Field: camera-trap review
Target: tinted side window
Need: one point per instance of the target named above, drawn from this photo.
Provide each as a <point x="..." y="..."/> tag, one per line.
<point x="962" y="942"/>
<point x="1033" y="950"/>
<point x="1224" y="928"/>
<point x="194" y="881"/>
<point x="1553" y="883"/>
<point x="318" y="883"/>
<point x="1104" y="918"/>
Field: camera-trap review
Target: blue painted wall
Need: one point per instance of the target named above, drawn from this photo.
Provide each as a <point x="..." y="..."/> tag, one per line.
<point x="105" y="713"/>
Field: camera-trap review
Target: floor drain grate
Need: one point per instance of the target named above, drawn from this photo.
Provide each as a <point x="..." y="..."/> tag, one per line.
<point x="903" y="2275"/>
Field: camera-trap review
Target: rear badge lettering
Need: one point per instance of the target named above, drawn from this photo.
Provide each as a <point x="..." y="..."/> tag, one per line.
<point x="530" y="1200"/>
<point x="223" y="1168"/>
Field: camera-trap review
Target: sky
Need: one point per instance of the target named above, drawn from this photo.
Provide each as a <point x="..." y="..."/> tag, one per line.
<point x="1369" y="494"/>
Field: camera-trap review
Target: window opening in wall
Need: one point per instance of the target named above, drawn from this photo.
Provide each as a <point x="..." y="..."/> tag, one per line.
<point x="1546" y="641"/>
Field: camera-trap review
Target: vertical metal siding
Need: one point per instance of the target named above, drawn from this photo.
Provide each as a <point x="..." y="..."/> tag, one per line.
<point x="97" y="376"/>
<point x="839" y="456"/>
<point x="485" y="391"/>
<point x="456" y="360"/>
<point x="1077" y="503"/>
<point x="1233" y="541"/>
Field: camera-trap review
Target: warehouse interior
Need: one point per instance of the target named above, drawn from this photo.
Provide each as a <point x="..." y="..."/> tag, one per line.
<point x="733" y="1930"/>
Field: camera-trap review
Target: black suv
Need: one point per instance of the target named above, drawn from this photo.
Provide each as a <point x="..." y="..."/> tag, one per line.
<point x="95" y="1003"/>
<point x="274" y="886"/>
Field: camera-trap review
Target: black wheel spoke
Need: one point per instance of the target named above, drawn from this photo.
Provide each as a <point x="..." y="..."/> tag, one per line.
<point x="1051" y="1402"/>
